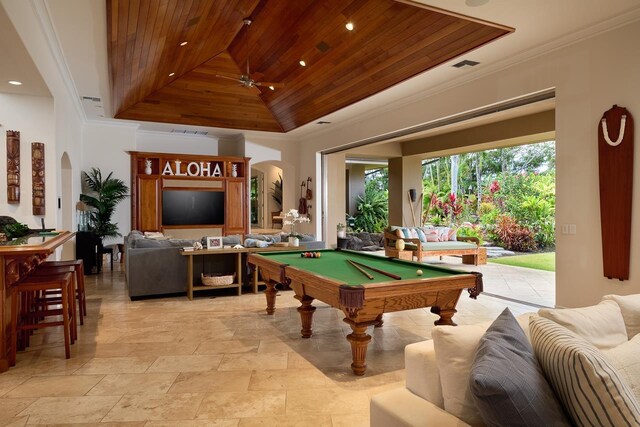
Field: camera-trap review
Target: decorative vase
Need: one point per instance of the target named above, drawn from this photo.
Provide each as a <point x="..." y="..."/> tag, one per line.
<point x="294" y="241"/>
<point x="147" y="167"/>
<point x="400" y="244"/>
<point x="234" y="170"/>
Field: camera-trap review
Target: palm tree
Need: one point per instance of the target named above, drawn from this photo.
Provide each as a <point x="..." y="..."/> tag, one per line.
<point x="106" y="194"/>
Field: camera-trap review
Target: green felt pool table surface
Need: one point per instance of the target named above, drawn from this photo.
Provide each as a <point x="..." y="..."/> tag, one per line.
<point x="333" y="264"/>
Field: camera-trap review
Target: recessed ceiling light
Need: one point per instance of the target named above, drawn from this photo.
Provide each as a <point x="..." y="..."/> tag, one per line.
<point x="349" y="26"/>
<point x="183" y="43"/>
<point x="15" y="82"/>
<point x="171" y="74"/>
<point x="476" y="3"/>
<point x="272" y="88"/>
<point x="304" y="64"/>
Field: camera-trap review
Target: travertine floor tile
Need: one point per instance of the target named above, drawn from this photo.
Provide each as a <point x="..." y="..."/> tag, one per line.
<point x="119" y="384"/>
<point x="116" y="365"/>
<point x="55" y="386"/>
<point x="193" y="423"/>
<point x="288" y="421"/>
<point x="226" y="347"/>
<point x="191" y="363"/>
<point x="11" y="407"/>
<point x="288" y="379"/>
<point x="326" y="401"/>
<point x="245" y="361"/>
<point x="242" y="404"/>
<point x="155" y="407"/>
<point x="60" y="410"/>
<point x="211" y="381"/>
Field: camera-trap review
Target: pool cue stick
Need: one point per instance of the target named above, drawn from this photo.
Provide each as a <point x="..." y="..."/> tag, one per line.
<point x="359" y="269"/>
<point x="377" y="270"/>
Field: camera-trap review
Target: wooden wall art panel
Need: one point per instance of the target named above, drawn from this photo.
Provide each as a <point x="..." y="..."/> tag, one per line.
<point x="37" y="174"/>
<point x="13" y="166"/>
<point x="156" y="77"/>
<point x="615" y="158"/>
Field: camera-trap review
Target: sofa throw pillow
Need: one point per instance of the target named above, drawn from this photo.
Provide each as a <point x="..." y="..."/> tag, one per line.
<point x="626" y="359"/>
<point x="591" y="390"/>
<point x="630" y="308"/>
<point x="430" y="234"/>
<point x="602" y="325"/>
<point x="443" y="234"/>
<point x="506" y="381"/>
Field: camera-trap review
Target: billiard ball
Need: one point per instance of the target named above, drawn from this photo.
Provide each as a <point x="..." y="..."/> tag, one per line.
<point x="419" y="272"/>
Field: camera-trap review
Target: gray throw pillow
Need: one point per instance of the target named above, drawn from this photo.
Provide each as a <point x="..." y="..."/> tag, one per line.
<point x="507" y="383"/>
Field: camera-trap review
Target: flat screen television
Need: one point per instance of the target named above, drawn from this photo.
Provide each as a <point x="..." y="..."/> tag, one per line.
<point x="182" y="207"/>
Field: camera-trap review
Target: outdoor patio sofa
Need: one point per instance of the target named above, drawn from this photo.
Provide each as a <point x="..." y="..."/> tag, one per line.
<point x="419" y="244"/>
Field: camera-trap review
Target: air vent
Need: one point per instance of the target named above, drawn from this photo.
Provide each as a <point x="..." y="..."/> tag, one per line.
<point x="465" y="63"/>
<point x="189" y="132"/>
<point x="323" y="47"/>
<point x="322" y="122"/>
<point x="91" y="98"/>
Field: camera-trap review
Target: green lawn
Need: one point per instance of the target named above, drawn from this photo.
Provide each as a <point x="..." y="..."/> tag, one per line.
<point x="542" y="261"/>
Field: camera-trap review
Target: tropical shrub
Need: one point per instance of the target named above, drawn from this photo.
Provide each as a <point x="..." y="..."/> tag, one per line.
<point x="471" y="230"/>
<point x="514" y="236"/>
<point x="373" y="214"/>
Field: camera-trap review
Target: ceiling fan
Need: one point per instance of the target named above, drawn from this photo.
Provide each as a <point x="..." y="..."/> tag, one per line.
<point x="246" y="80"/>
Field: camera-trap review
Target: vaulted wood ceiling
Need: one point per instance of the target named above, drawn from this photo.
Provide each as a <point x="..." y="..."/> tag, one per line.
<point x="393" y="40"/>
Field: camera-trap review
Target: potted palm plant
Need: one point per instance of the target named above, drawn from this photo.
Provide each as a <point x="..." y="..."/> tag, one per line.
<point x="104" y="196"/>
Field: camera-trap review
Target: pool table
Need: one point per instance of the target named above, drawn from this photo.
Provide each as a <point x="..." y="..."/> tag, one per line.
<point x="333" y="280"/>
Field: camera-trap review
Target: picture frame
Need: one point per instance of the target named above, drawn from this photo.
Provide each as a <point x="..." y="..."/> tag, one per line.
<point x="214" y="242"/>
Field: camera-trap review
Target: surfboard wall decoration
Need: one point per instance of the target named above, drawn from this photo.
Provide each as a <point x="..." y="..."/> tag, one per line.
<point x="615" y="157"/>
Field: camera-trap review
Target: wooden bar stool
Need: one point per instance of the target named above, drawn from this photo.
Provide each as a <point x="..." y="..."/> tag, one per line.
<point x="29" y="316"/>
<point x="79" y="272"/>
<point x="53" y="297"/>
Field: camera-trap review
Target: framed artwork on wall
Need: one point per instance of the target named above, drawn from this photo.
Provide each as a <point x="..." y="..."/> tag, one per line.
<point x="214" y="242"/>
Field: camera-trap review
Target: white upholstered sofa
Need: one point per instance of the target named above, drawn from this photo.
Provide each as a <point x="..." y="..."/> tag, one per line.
<point x="429" y="383"/>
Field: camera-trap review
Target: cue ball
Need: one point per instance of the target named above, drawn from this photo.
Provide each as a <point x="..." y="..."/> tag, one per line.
<point x="419" y="272"/>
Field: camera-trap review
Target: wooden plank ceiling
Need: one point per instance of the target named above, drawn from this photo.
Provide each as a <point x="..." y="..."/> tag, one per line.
<point x="154" y="78"/>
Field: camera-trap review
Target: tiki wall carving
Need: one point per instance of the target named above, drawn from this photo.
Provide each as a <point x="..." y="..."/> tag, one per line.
<point x="37" y="173"/>
<point x="13" y="166"/>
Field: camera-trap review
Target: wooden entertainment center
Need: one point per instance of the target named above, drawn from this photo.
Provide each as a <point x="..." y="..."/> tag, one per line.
<point x="154" y="173"/>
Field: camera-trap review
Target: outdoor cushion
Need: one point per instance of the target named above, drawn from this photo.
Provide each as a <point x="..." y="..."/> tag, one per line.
<point x="507" y="382"/>
<point x="445" y="246"/>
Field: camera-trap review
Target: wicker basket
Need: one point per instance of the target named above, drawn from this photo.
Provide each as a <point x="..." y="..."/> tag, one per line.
<point x="217" y="280"/>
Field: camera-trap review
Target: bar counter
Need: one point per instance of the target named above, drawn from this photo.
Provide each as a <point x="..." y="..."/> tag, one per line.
<point x="18" y="257"/>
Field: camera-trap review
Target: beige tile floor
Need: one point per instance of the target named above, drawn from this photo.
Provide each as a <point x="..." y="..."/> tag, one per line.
<point x="221" y="361"/>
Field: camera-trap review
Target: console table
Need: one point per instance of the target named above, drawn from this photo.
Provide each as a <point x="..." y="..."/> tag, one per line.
<point x="239" y="264"/>
<point x="18" y="257"/>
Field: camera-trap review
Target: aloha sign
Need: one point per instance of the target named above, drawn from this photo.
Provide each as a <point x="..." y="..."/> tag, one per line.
<point x="205" y="169"/>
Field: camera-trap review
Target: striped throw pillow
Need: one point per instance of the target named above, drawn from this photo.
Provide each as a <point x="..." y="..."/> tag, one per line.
<point x="592" y="392"/>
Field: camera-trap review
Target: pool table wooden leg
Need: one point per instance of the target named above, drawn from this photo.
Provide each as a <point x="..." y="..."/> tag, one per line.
<point x="306" y="311"/>
<point x="446" y="316"/>
<point x="359" y="340"/>
<point x="270" y="293"/>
